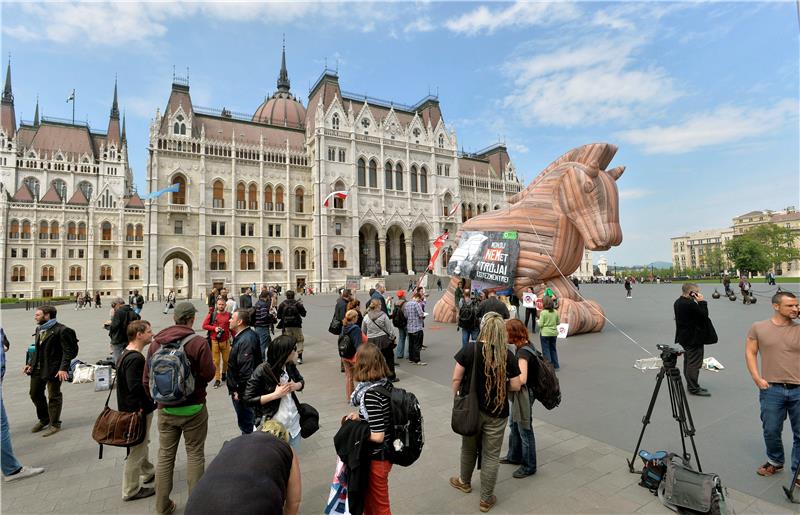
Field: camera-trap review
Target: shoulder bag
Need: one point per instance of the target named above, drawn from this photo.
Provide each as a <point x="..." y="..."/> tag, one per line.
<point x="465" y="418"/>
<point x="391" y="338"/>
<point x="118" y="428"/>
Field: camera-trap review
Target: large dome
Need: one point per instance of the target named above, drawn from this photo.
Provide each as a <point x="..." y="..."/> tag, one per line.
<point x="282" y="109"/>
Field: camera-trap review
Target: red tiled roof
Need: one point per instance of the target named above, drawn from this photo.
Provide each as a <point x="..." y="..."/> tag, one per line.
<point x="78" y="198"/>
<point x="67" y="138"/>
<point x="23" y="194"/>
<point x="51" y="196"/>
<point x="134" y="201"/>
<point x="8" y="120"/>
<point x="476" y="167"/>
<point x="786" y="217"/>
<point x="249" y="133"/>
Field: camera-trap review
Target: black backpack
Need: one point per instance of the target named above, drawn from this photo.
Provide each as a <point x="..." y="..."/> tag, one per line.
<point x="407" y="430"/>
<point x="545" y="388"/>
<point x="346" y="345"/>
<point x="399" y="318"/>
<point x="467" y="316"/>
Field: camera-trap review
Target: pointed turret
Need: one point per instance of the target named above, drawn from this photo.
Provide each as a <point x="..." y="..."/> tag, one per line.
<point x="124" y="137"/>
<point x="36" y="113"/>
<point x="113" y="121"/>
<point x="283" y="77"/>
<point x="8" y="118"/>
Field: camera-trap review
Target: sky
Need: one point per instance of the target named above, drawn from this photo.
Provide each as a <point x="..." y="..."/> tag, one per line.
<point x="701" y="98"/>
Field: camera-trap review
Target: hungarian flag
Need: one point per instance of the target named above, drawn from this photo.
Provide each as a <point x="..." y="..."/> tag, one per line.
<point x="336" y="194"/>
<point x="437" y="244"/>
<point x="453" y="211"/>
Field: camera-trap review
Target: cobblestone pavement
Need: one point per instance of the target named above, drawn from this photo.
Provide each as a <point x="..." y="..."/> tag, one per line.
<point x="576" y="474"/>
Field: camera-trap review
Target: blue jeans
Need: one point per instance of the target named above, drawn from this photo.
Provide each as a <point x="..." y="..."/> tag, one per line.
<point x="401" y="343"/>
<point x="265" y="338"/>
<point x="549" y="349"/>
<point x="10" y="463"/>
<point x="137" y="310"/>
<point x="294" y="442"/>
<point x="522" y="446"/>
<point x="468" y="336"/>
<point x="245" y="417"/>
<point x="778" y="402"/>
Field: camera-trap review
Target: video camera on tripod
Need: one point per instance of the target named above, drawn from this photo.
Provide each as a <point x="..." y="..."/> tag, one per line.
<point x="669" y="354"/>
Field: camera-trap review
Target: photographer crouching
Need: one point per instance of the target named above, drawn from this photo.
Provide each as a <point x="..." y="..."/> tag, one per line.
<point x="693" y="330"/>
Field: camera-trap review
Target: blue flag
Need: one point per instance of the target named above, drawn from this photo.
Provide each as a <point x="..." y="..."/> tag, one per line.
<point x="174" y="188"/>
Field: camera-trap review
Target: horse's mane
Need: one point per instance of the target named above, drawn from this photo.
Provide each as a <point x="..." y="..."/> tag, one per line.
<point x="593" y="155"/>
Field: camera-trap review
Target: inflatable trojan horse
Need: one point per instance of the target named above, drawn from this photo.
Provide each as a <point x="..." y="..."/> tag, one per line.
<point x="571" y="205"/>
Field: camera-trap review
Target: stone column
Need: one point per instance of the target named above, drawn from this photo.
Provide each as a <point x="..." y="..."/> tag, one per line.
<point x="382" y="252"/>
<point x="409" y="253"/>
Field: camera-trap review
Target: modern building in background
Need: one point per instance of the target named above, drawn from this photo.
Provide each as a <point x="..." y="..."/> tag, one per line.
<point x="248" y="209"/>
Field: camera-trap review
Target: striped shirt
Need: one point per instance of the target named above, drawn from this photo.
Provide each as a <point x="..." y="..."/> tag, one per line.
<point x="377" y="406"/>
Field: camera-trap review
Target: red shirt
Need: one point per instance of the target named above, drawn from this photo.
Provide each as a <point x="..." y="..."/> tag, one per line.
<point x="222" y="320"/>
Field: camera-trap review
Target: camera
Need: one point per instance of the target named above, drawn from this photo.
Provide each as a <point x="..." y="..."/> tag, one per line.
<point x="669" y="350"/>
<point x="219" y="332"/>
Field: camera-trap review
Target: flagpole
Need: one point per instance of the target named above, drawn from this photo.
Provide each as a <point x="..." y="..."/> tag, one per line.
<point x="73" y="106"/>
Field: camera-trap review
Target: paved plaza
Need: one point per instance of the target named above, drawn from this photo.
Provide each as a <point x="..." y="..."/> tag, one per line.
<point x="581" y="445"/>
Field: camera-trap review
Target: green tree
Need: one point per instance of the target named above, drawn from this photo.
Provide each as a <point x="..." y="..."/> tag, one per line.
<point x="748" y="253"/>
<point x="778" y="243"/>
<point x="714" y="260"/>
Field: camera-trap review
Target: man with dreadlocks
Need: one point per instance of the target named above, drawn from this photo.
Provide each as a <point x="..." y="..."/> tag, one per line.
<point x="497" y="373"/>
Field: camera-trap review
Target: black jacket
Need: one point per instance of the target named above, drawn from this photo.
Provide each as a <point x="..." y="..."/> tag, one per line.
<point x="245" y="301"/>
<point x="245" y="356"/>
<point x="263" y="382"/>
<point x="352" y="447"/>
<point x="492" y="304"/>
<point x="340" y="310"/>
<point x="693" y="328"/>
<point x="118" y="331"/>
<point x="291" y="313"/>
<point x="55" y="350"/>
<point x="131" y="392"/>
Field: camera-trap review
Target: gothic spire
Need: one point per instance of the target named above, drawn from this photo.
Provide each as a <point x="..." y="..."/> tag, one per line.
<point x="114" y="105"/>
<point x="283" y="77"/>
<point x="8" y="96"/>
<point x="124" y="137"/>
<point x="36" y="113"/>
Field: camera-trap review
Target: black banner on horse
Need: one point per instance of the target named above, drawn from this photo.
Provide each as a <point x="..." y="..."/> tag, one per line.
<point x="489" y="257"/>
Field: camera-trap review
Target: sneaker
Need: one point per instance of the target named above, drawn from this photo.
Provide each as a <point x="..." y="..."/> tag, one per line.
<point x="39" y="426"/>
<point x="488" y="504"/>
<point x="53" y="430"/>
<point x="701" y="393"/>
<point x="421" y="363"/>
<point x="217" y="384"/>
<point x="506" y="461"/>
<point x="299" y="360"/>
<point x="224" y="377"/>
<point x="141" y="494"/>
<point x="456" y="483"/>
<point x="23" y="473"/>
<point x="521" y="472"/>
<point x="768" y="469"/>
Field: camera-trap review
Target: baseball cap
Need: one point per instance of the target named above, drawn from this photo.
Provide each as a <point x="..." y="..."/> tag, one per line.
<point x="184" y="309"/>
<point x="401" y="294"/>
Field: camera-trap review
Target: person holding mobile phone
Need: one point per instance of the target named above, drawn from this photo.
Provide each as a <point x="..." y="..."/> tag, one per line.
<point x="693" y="330"/>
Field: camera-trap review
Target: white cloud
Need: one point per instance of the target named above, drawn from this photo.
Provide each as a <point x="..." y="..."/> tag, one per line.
<point x="420" y="25"/>
<point x="518" y="147"/>
<point x="589" y="82"/>
<point x="633" y="193"/>
<point x="520" y="14"/>
<point x="723" y="125"/>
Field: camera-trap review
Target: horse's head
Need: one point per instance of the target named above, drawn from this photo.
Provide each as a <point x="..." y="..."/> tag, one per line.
<point x="589" y="198"/>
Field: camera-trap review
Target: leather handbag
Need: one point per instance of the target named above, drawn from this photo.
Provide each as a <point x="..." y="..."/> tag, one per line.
<point x="118" y="428"/>
<point x="335" y="327"/>
<point x="465" y="418"/>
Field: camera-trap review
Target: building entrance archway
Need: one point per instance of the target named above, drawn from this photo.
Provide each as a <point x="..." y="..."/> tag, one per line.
<point x="420" y="249"/>
<point x="176" y="274"/>
<point x="396" y="258"/>
<point x="368" y="257"/>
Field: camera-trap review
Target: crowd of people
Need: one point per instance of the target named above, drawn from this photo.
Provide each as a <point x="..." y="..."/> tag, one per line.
<point x="241" y="351"/>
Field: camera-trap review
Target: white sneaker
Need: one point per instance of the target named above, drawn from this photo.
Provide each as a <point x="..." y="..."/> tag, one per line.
<point x="25" y="472"/>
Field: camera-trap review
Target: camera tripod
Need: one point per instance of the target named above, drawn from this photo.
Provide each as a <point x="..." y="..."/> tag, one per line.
<point x="678" y="402"/>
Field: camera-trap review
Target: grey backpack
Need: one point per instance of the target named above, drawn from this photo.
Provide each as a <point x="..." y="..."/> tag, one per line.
<point x="685" y="490"/>
<point x="171" y="379"/>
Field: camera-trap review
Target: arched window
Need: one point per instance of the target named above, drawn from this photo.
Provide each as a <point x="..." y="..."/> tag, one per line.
<point x="335" y="121"/>
<point x="274" y="260"/>
<point x="240" y="196"/>
<point x="279" y="205"/>
<point x="179" y="197"/>
<point x="441" y="140"/>
<point x="268" y="198"/>
<point x="300" y="259"/>
<point x="86" y="189"/>
<point x="247" y="259"/>
<point x="413" y="179"/>
<point x="496" y="207"/>
<point x="72" y="231"/>
<point x="105" y="231"/>
<point x="398" y="177"/>
<point x="338" y="258"/>
<point x="373" y="174"/>
<point x="362" y="172"/>
<point x="463" y="212"/>
<point x="178" y="271"/>
<point x="54" y="230"/>
<point x="217" y="261"/>
<point x="387" y="175"/>
<point x="338" y="203"/>
<point x="447" y="204"/>
<point x="48" y="273"/>
<point x="299" y="200"/>
<point x="423" y="180"/>
<point x="43" y="230"/>
<point x="75" y="273"/>
<point x="61" y="188"/>
<point x="139" y="232"/>
<point x="13" y="230"/>
<point x="218" y="194"/>
<point x="33" y="186"/>
<point x="105" y="273"/>
<point x="17" y="274"/>
<point x="252" y="197"/>
<point x="129" y="232"/>
<point x="26" y="230"/>
<point x="180" y="126"/>
<point x="82" y="231"/>
<point x="133" y="273"/>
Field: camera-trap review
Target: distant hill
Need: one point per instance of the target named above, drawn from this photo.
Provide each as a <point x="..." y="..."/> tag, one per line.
<point x="660" y="264"/>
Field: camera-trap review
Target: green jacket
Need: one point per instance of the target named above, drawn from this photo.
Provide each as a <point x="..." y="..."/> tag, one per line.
<point x="548" y="320"/>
